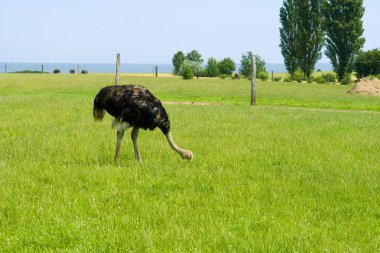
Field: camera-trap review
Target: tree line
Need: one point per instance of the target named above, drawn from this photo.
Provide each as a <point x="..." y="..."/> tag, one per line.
<point x="192" y="64"/>
<point x="308" y="25"/>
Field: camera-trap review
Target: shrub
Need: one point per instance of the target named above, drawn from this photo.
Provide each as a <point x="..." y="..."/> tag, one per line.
<point x="320" y="79"/>
<point x="187" y="72"/>
<point x="28" y="72"/>
<point x="311" y="79"/>
<point x="263" y="76"/>
<point x="288" y="79"/>
<point x="72" y="71"/>
<point x="84" y="71"/>
<point x="202" y="72"/>
<point x="330" y="77"/>
<point x="346" y="80"/>
<point x="299" y="76"/>
<point x="56" y="71"/>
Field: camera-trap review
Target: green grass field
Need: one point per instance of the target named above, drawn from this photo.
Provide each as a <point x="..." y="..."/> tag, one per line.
<point x="300" y="172"/>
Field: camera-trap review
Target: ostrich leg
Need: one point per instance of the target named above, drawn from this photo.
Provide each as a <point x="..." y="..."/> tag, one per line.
<point x="120" y="135"/>
<point x="185" y="154"/>
<point x="135" y="135"/>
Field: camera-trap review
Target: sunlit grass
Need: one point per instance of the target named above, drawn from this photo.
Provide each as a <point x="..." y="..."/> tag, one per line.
<point x="264" y="179"/>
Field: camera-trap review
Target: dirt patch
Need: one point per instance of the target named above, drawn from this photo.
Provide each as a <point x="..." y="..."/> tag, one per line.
<point x="190" y="103"/>
<point x="367" y="86"/>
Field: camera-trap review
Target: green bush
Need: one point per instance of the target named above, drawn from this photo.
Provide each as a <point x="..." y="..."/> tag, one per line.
<point x="223" y="76"/>
<point x="311" y="79"/>
<point x="187" y="72"/>
<point x="288" y="79"/>
<point x="329" y="77"/>
<point x="202" y="72"/>
<point x="346" y="80"/>
<point x="277" y="79"/>
<point x="320" y="79"/>
<point x="28" y="72"/>
<point x="299" y="76"/>
<point x="263" y="76"/>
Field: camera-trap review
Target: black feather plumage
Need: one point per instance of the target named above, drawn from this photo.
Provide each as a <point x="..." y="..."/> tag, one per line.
<point x="133" y="104"/>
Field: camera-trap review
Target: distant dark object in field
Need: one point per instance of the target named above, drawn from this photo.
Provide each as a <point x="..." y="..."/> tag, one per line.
<point x="134" y="106"/>
<point x="84" y="71"/>
<point x="236" y="76"/>
<point x="72" y="71"/>
<point x="56" y="71"/>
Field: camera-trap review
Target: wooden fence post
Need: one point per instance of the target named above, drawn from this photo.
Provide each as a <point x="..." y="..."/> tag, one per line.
<point x="117" y="78"/>
<point x="253" y="80"/>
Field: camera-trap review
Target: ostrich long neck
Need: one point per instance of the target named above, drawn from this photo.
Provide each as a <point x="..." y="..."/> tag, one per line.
<point x="174" y="146"/>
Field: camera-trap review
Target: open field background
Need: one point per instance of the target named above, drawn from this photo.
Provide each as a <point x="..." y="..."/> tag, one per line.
<point x="298" y="173"/>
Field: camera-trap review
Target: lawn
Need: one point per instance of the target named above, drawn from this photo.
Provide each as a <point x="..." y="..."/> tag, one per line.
<point x="300" y="172"/>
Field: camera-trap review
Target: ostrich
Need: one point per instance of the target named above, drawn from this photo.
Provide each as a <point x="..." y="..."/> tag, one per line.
<point x="134" y="106"/>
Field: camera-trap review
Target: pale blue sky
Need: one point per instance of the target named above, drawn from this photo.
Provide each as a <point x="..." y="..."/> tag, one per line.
<point x="147" y="31"/>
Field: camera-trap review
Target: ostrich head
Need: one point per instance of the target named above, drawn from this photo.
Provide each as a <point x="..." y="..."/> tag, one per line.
<point x="186" y="154"/>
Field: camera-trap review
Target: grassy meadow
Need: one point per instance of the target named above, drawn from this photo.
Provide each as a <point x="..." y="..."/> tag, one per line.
<point x="300" y="172"/>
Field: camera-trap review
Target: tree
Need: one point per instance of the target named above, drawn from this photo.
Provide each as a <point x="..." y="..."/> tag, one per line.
<point x="177" y="61"/>
<point x="344" y="29"/>
<point x="246" y="65"/>
<point x="309" y="35"/>
<point x="367" y="63"/>
<point x="212" y="68"/>
<point x="227" y="66"/>
<point x="195" y="56"/>
<point x="288" y="45"/>
<point x="187" y="72"/>
<point x="301" y="34"/>
<point x="195" y="67"/>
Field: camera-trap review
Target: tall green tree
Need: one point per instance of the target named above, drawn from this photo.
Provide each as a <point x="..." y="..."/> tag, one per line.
<point x="288" y="31"/>
<point x="344" y="30"/>
<point x="177" y="61"/>
<point x="246" y="65"/>
<point x="212" y="68"/>
<point x="310" y="34"/>
<point x="195" y="56"/>
<point x="301" y="34"/>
